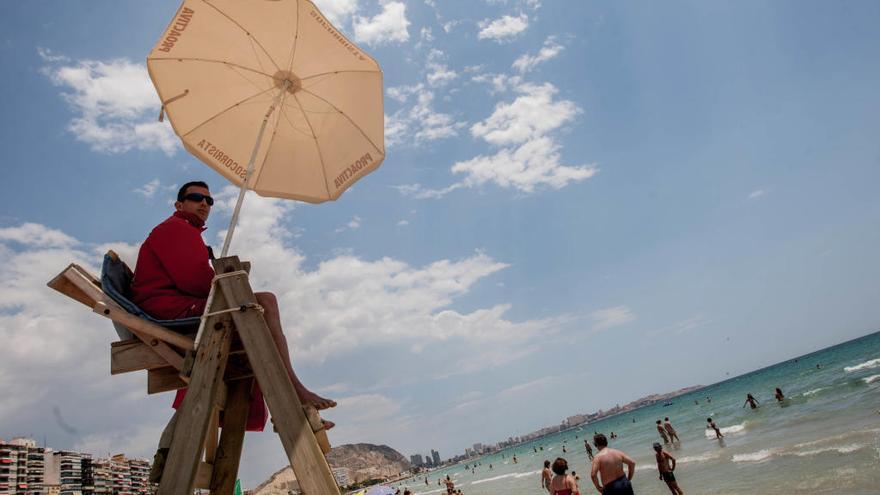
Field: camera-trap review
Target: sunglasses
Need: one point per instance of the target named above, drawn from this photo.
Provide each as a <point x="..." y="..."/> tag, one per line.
<point x="198" y="197"/>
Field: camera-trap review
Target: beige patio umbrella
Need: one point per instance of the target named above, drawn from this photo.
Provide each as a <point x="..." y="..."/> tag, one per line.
<point x="272" y="96"/>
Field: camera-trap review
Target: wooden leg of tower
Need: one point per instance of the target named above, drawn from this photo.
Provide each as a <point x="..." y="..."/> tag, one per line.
<point x="229" y="450"/>
<point x="308" y="462"/>
<point x="194" y="419"/>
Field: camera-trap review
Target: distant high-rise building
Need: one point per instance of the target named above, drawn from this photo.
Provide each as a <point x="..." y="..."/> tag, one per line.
<point x="435" y="456"/>
<point x="468" y="452"/>
<point x="341" y="476"/>
<point x="478" y="448"/>
<point x="416" y="460"/>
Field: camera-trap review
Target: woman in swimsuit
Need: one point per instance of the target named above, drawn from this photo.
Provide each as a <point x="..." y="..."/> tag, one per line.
<point x="562" y="484"/>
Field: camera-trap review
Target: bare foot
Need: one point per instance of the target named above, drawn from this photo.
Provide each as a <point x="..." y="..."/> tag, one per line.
<point x="309" y="398"/>
<point x="327" y="424"/>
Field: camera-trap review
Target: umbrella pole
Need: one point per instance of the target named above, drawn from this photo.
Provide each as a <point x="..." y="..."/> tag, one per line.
<point x="250" y="170"/>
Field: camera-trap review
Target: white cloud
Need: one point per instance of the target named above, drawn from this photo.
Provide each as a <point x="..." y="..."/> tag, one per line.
<point x="353" y="224"/>
<point x="337" y="11"/>
<point x="504" y="28"/>
<point x="115" y="103"/>
<point x="529" y="157"/>
<point x="403" y="223"/>
<point x="149" y="189"/>
<point x="438" y="73"/>
<point x="388" y="26"/>
<point x="36" y="235"/>
<point x="420" y="122"/>
<point x="527" y="62"/>
<point x="606" y="318"/>
<point x="533" y="113"/>
<point x="757" y="193"/>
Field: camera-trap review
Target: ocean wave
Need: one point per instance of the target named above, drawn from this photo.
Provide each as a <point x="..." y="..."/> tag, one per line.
<point x="699" y="458"/>
<point x="813" y="392"/>
<point x="727" y="430"/>
<point x="499" y="477"/>
<point x="530" y="473"/>
<point x="873" y="363"/>
<point x="842" y="449"/>
<point x="871" y="379"/>
<point x="758" y="456"/>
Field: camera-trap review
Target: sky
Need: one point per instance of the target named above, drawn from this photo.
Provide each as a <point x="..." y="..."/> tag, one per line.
<point x="582" y="203"/>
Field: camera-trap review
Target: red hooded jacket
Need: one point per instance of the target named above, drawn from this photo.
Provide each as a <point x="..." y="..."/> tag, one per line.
<point x="172" y="280"/>
<point x="173" y="273"/>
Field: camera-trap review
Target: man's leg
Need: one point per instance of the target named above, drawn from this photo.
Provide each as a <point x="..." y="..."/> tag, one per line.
<point x="273" y="320"/>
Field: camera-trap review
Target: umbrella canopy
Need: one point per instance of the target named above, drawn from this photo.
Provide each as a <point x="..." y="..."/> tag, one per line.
<point x="227" y="70"/>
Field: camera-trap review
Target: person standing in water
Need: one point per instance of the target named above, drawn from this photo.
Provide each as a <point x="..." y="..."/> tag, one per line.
<point x="751" y="401"/>
<point x="588" y="449"/>
<point x="779" y="395"/>
<point x="562" y="484"/>
<point x="662" y="432"/>
<point x="666" y="466"/>
<point x="608" y="466"/>
<point x="713" y="426"/>
<point x="545" y="476"/>
<point x="673" y="435"/>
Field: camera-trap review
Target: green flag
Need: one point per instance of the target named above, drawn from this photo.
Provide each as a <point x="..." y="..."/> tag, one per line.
<point x="237" y="487"/>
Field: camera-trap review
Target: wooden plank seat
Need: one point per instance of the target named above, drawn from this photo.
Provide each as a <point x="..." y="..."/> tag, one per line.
<point x="164" y="354"/>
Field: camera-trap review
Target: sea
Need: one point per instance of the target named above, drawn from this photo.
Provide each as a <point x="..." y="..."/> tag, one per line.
<point x="824" y="438"/>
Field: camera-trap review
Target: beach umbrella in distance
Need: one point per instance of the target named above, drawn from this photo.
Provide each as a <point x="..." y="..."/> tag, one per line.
<point x="380" y="490"/>
<point x="272" y="96"/>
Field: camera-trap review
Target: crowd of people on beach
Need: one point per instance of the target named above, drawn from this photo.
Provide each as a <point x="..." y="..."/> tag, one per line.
<point x="611" y="470"/>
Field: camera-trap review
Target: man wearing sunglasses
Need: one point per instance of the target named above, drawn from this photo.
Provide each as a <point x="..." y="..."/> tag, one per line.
<point x="173" y="275"/>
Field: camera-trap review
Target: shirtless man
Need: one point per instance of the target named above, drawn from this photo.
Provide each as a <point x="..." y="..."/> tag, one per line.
<point x="666" y="466"/>
<point x="608" y="464"/>
<point x="546" y="476"/>
<point x="662" y="432"/>
<point x="673" y="435"/>
<point x="588" y="449"/>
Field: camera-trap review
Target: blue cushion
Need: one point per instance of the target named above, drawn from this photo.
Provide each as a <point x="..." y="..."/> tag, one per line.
<point x="116" y="282"/>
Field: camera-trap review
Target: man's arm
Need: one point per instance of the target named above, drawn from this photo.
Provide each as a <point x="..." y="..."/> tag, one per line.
<point x="594" y="475"/>
<point x="630" y="465"/>
<point x="669" y="456"/>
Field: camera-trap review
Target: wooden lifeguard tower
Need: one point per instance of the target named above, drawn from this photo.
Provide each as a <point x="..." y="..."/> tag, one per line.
<point x="218" y="365"/>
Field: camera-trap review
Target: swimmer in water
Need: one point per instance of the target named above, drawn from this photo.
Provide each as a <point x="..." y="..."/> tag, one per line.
<point x="779" y="395"/>
<point x="713" y="426"/>
<point x="751" y="401"/>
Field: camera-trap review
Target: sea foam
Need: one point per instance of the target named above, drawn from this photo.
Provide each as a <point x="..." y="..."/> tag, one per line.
<point x="842" y="449"/>
<point x="873" y="363"/>
<point x="727" y="430"/>
<point x="754" y="456"/>
<point x="871" y="379"/>
<point x="813" y="392"/>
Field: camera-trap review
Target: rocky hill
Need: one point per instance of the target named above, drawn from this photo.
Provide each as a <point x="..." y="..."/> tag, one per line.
<point x="363" y="461"/>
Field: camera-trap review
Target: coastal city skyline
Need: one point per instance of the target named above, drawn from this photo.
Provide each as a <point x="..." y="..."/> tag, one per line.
<point x="581" y="204"/>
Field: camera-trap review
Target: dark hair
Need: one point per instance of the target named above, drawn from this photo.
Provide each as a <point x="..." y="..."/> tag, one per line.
<point x="600" y="440"/>
<point x="658" y="421"/>
<point x="546" y="464"/>
<point x="709" y="419"/>
<point x="667" y="419"/>
<point x="560" y="466"/>
<point x="182" y="192"/>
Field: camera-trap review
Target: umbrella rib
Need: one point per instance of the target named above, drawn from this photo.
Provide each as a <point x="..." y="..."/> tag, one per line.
<point x="198" y="59"/>
<point x="339" y="72"/>
<point x="295" y="39"/>
<point x="317" y="146"/>
<point x="346" y="117"/>
<point x="224" y="14"/>
<point x="221" y="112"/>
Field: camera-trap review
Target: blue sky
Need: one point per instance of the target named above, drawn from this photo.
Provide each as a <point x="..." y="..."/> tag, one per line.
<point x="582" y="203"/>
